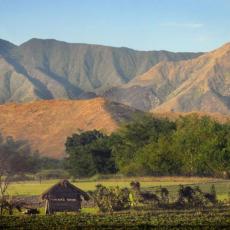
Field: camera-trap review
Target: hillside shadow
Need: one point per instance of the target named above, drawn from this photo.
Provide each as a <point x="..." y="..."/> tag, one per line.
<point x="41" y="90"/>
<point x="72" y="91"/>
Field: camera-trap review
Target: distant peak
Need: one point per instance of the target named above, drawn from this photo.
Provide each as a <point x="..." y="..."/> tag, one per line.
<point x="40" y="40"/>
<point x="5" y="47"/>
<point x="34" y="41"/>
<point x="4" y="42"/>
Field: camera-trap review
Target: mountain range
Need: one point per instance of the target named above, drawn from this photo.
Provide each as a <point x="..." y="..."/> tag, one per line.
<point x="199" y="84"/>
<point x="50" y="69"/>
<point x="51" y="89"/>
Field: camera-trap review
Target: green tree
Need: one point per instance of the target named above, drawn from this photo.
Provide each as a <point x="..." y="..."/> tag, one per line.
<point x="135" y="135"/>
<point x="89" y="153"/>
<point x="191" y="145"/>
<point x="202" y="145"/>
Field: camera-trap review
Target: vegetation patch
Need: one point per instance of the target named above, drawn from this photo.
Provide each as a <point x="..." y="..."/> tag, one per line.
<point x="187" y="220"/>
<point x="146" y="146"/>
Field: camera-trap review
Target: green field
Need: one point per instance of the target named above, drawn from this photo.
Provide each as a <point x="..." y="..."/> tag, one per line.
<point x="90" y="218"/>
<point x="29" y="188"/>
<point x="214" y="219"/>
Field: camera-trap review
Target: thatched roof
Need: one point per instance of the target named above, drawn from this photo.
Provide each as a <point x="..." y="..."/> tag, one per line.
<point x="64" y="190"/>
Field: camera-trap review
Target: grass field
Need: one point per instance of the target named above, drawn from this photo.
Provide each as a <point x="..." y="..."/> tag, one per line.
<point x="29" y="188"/>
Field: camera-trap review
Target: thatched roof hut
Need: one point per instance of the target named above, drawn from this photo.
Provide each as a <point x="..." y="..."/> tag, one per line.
<point x="64" y="197"/>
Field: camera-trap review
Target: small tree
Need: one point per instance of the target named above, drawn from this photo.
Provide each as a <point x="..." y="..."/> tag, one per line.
<point x="135" y="195"/>
<point x="211" y="197"/>
<point x="185" y="195"/>
<point x="213" y="192"/>
<point x="4" y="183"/>
<point x="142" y="197"/>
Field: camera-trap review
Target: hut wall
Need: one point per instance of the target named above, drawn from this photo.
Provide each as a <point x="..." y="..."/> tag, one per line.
<point x="63" y="206"/>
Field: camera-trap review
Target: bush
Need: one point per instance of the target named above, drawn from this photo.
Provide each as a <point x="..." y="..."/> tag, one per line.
<point x="111" y="199"/>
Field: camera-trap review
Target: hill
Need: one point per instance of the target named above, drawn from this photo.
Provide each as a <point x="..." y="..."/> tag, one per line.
<point x="199" y="84"/>
<point x="46" y="124"/>
<point x="50" y="69"/>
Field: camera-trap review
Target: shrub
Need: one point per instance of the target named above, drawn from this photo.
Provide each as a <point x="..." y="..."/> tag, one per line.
<point x="111" y="199"/>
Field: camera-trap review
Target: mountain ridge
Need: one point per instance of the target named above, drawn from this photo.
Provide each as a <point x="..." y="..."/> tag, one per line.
<point x="5" y="47"/>
<point x="199" y="84"/>
<point x="59" y="70"/>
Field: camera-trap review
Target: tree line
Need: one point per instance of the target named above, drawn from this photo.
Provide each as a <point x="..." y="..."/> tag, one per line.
<point x="17" y="158"/>
<point x="189" y="146"/>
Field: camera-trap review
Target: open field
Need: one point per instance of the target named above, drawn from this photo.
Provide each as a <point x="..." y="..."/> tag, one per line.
<point x="29" y="188"/>
<point x="217" y="217"/>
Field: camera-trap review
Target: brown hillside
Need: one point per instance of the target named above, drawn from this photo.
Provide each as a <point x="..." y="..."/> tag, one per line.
<point x="46" y="124"/>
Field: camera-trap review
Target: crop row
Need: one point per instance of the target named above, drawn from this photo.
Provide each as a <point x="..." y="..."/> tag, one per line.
<point x="214" y="220"/>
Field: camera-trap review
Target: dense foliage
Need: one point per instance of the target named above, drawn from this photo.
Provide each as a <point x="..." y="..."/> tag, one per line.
<point x="89" y="153"/>
<point x="190" y="146"/>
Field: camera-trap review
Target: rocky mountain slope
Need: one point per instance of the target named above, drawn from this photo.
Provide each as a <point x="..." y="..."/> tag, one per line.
<point x="46" y="124"/>
<point x="199" y="84"/>
<point x="50" y="69"/>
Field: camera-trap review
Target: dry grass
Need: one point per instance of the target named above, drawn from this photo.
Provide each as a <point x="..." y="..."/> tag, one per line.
<point x="46" y="124"/>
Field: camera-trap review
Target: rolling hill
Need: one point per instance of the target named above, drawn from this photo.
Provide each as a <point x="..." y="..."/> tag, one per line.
<point x="46" y="124"/>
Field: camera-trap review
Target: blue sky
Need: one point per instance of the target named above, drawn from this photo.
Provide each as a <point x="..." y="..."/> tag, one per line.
<point x="176" y="25"/>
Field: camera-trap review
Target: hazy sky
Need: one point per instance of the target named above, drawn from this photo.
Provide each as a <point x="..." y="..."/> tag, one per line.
<point x="177" y="25"/>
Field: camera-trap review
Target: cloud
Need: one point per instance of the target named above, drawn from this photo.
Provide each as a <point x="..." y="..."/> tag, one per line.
<point x="182" y="25"/>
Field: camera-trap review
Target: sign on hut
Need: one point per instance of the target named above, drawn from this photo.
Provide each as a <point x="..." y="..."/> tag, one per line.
<point x="63" y="197"/>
